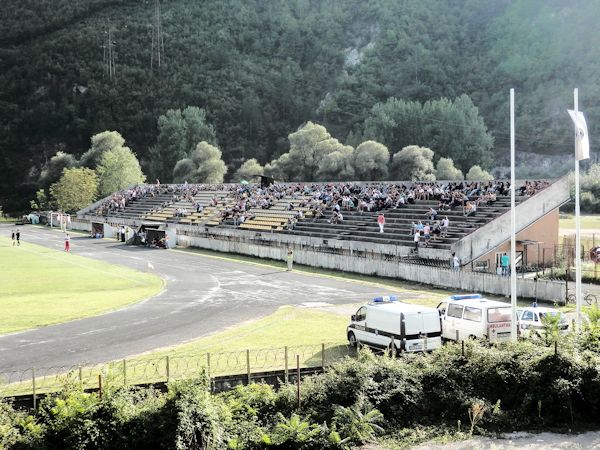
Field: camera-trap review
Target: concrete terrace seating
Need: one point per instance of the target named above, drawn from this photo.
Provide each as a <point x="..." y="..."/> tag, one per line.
<point x="276" y="217"/>
<point x="140" y="208"/>
<point x="358" y="226"/>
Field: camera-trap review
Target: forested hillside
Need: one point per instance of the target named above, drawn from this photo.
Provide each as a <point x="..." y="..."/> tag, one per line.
<point x="260" y="69"/>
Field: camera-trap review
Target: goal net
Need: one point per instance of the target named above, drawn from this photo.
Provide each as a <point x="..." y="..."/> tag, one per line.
<point x="60" y="220"/>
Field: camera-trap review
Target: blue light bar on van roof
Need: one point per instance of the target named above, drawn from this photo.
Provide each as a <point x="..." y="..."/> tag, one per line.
<point x="465" y="297"/>
<point x="385" y="298"/>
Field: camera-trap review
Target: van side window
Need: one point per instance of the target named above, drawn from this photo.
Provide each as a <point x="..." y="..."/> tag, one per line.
<point x="472" y="313"/>
<point x="455" y="310"/>
<point x="361" y="314"/>
<point x="527" y="315"/>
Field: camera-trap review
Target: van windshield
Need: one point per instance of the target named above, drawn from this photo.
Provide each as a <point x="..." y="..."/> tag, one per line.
<point x="499" y="314"/>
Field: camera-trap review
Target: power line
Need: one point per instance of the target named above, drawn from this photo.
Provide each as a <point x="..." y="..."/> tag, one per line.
<point x="158" y="43"/>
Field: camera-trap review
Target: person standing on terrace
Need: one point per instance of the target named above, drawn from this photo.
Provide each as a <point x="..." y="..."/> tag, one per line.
<point x="381" y="222"/>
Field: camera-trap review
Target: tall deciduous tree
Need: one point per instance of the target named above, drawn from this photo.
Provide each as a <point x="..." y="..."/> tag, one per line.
<point x="203" y="166"/>
<point x="118" y="169"/>
<point x="76" y="189"/>
<point x="337" y="165"/>
<point x="101" y="143"/>
<point x="371" y="160"/>
<point x="309" y="146"/>
<point x="53" y="169"/>
<point x="247" y="170"/>
<point x="179" y="132"/>
<point x="452" y="129"/>
<point x="413" y="163"/>
<point x="476" y="173"/>
<point x="445" y="170"/>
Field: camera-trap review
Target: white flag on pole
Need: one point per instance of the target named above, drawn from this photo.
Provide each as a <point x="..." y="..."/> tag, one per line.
<point x="582" y="146"/>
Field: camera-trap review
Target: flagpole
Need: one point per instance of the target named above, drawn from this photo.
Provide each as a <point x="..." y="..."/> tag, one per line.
<point x="513" y="224"/>
<point x="577" y="225"/>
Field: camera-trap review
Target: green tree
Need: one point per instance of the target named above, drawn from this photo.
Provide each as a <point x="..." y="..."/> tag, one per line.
<point x="337" y="165"/>
<point x="53" y="169"/>
<point x="101" y="143"/>
<point x="203" y="166"/>
<point x="371" y="161"/>
<point x="476" y="173"/>
<point x="248" y="170"/>
<point x="118" y="169"/>
<point x="76" y="189"/>
<point x="308" y="146"/>
<point x="445" y="170"/>
<point x="451" y="129"/>
<point x="413" y="163"/>
<point x="179" y="132"/>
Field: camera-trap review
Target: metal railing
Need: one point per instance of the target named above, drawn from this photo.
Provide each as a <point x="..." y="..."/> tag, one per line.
<point x="44" y="380"/>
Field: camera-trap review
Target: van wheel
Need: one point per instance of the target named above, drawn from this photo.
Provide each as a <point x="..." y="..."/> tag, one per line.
<point x="472" y="337"/>
<point x="352" y="339"/>
<point x="393" y="351"/>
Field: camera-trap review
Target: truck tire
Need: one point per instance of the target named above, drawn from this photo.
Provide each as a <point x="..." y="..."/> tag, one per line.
<point x="352" y="340"/>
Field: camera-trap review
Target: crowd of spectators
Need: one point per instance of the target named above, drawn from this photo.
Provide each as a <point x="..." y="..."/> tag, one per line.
<point x="319" y="198"/>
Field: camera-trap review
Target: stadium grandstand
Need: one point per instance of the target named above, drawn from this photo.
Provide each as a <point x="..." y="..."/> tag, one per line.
<point x="466" y="218"/>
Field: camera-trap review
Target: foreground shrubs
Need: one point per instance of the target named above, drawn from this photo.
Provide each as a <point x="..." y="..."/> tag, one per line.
<point x="516" y="386"/>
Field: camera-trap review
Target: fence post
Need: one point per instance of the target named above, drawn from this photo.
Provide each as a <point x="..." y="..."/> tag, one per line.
<point x="33" y="388"/>
<point x="208" y="365"/>
<point x="168" y="364"/>
<point x="248" y="365"/>
<point x="323" y="356"/>
<point x="100" y="385"/>
<point x="425" y="343"/>
<point x="393" y="347"/>
<point x="81" y="378"/>
<point x="124" y="372"/>
<point x="285" y="370"/>
<point x="462" y="349"/>
<point x="298" y="379"/>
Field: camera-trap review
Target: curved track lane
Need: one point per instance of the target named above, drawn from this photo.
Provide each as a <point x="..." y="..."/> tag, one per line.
<point x="203" y="295"/>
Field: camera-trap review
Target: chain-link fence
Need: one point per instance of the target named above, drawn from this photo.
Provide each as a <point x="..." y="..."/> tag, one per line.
<point x="42" y="380"/>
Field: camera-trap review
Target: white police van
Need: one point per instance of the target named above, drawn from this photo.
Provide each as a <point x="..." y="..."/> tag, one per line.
<point x="412" y="328"/>
<point x="474" y="317"/>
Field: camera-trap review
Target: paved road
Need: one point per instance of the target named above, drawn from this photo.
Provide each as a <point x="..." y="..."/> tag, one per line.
<point x="203" y="295"/>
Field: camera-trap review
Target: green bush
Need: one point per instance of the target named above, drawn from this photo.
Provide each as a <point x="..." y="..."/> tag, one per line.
<point x="523" y="385"/>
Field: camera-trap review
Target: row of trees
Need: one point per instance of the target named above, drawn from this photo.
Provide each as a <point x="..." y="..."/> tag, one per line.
<point x="69" y="184"/>
<point x="315" y="155"/>
<point x="108" y="166"/>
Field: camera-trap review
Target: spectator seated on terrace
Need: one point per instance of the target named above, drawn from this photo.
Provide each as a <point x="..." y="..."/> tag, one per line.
<point x="470" y="208"/>
<point x="181" y="212"/>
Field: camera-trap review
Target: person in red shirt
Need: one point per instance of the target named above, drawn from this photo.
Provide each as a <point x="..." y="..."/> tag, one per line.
<point x="67" y="243"/>
<point x="381" y="222"/>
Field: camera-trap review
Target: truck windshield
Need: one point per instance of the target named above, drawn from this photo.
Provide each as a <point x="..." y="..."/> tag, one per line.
<point x="498" y="315"/>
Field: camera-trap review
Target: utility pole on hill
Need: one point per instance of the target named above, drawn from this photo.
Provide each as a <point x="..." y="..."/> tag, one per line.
<point x="158" y="43"/>
<point x="109" y="55"/>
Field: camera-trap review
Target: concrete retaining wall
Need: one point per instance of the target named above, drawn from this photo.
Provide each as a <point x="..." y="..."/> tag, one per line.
<point x="378" y="265"/>
<point x="358" y="257"/>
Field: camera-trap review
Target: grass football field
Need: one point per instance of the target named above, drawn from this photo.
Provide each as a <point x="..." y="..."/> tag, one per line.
<point x="41" y="286"/>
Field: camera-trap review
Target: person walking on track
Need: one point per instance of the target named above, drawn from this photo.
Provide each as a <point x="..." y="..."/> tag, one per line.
<point x="67" y="243"/>
<point x="290" y="259"/>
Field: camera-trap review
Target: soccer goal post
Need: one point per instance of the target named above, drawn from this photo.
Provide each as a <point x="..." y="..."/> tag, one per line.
<point x="60" y="220"/>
